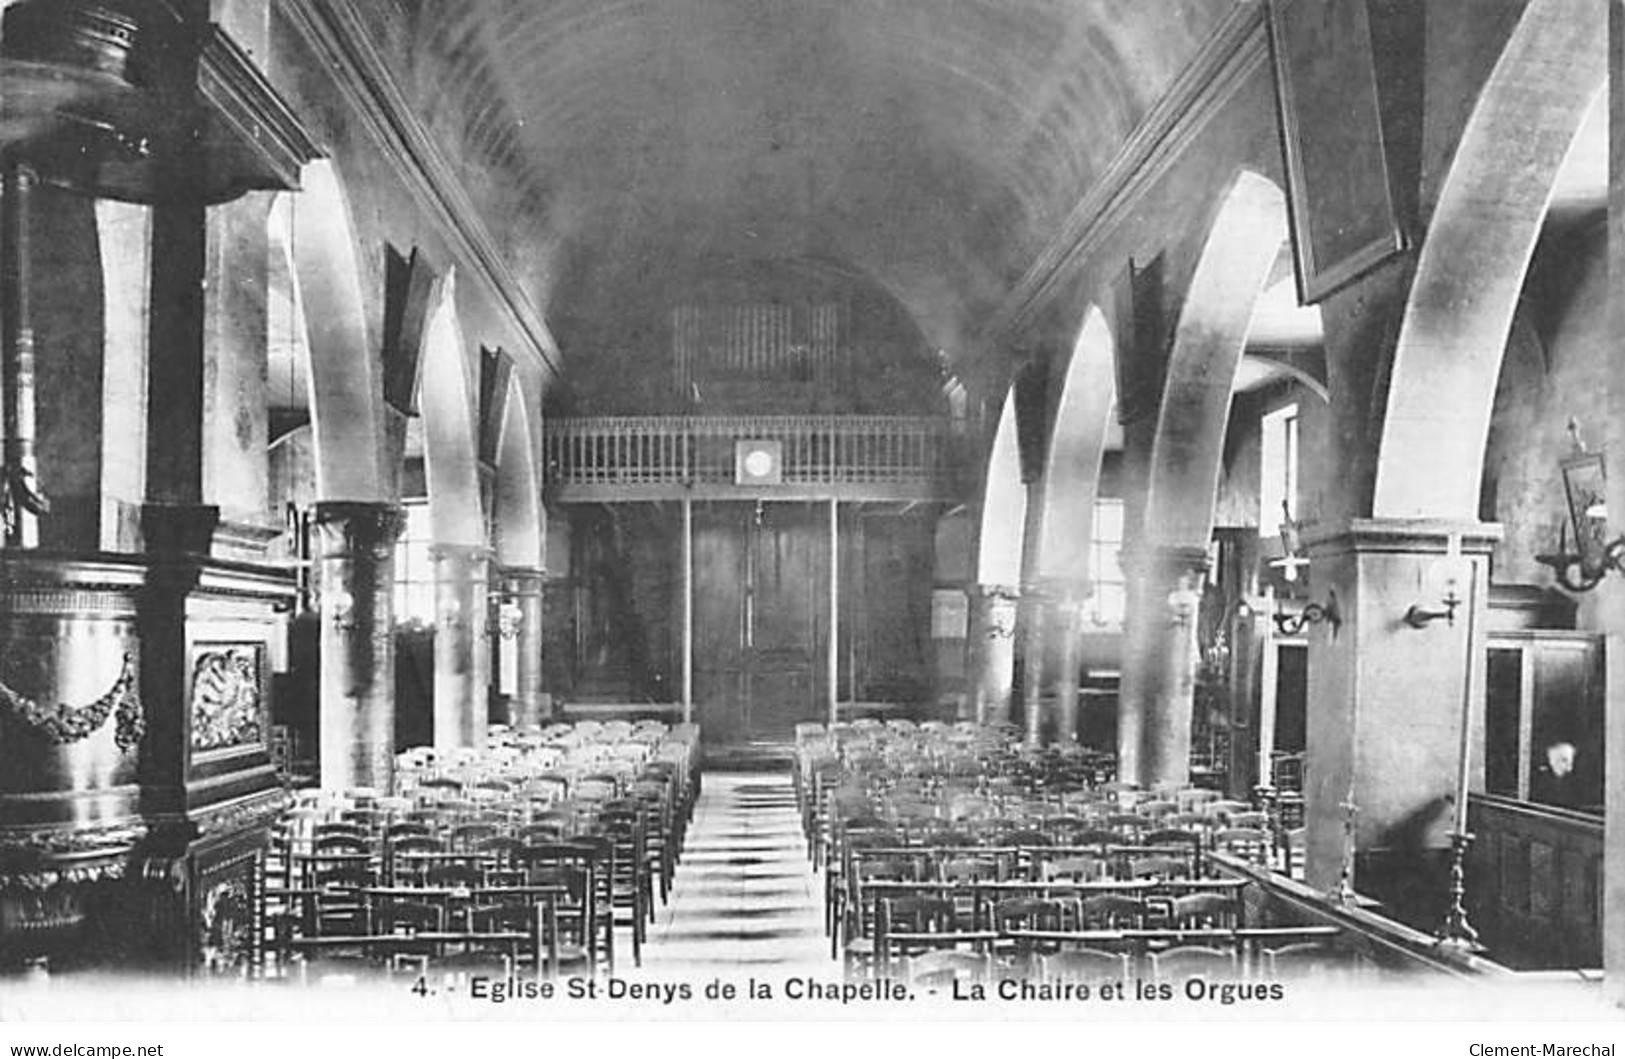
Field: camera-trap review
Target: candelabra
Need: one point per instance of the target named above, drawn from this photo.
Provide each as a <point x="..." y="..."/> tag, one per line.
<point x="1456" y="932"/>
<point x="1344" y="891"/>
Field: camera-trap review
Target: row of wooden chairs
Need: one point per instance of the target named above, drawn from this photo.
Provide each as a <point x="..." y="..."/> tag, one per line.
<point x="601" y="863"/>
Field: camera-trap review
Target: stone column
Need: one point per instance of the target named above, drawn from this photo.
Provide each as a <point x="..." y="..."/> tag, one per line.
<point x="356" y="579"/>
<point x="1159" y="666"/>
<point x="992" y="649"/>
<point x="1034" y="611"/>
<point x="1387" y="699"/>
<point x="1069" y="601"/>
<point x="462" y="655"/>
<point x="524" y="588"/>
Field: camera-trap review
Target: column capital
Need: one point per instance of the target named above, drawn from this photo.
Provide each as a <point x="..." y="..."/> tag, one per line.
<point x="993" y="592"/>
<point x="357" y="527"/>
<point x="1167" y="561"/>
<point x="470" y="553"/>
<point x="522" y="573"/>
<point x="169" y="529"/>
<point x="1411" y="536"/>
<point x="1061" y="591"/>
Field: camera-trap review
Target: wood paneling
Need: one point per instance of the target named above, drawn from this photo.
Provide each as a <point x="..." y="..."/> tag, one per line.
<point x="761" y="610"/>
<point x="1533" y="878"/>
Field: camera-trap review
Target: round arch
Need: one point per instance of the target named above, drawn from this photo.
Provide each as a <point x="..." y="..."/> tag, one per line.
<point x="450" y="438"/>
<point x="999" y="541"/>
<point x="1157" y="693"/>
<point x="1231" y="273"/>
<point x="1471" y="268"/>
<point x="1077" y="442"/>
<point x="313" y="232"/>
<point x="519" y="517"/>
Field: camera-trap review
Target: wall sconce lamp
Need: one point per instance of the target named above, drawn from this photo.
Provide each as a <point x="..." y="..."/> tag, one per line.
<point x="1585" y="487"/>
<point x="1327" y="613"/>
<point x="1419" y="617"/>
<point x="1443" y="581"/>
<point x="510" y="620"/>
<point x="340" y="607"/>
<point x="1292" y="558"/>
<point x="1185" y="601"/>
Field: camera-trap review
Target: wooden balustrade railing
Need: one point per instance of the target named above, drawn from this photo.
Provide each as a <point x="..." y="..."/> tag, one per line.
<point x="696" y="450"/>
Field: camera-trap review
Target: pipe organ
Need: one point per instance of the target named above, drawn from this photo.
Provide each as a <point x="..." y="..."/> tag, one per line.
<point x="761" y="341"/>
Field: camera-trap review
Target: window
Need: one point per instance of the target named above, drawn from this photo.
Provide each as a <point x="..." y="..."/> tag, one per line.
<point x="1279" y="474"/>
<point x="414" y="568"/>
<point x="1107" y="605"/>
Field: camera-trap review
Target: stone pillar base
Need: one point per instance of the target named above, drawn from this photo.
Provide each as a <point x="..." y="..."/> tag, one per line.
<point x="992" y="650"/>
<point x="462" y="650"/>
<point x="356" y="579"/>
<point x="1159" y="666"/>
<point x="1387" y="700"/>
<point x="528" y="706"/>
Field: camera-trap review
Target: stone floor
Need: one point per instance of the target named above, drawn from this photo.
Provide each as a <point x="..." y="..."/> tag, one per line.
<point x="745" y="897"/>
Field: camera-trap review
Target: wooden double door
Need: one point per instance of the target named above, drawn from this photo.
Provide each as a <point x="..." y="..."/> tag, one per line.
<point x="761" y="618"/>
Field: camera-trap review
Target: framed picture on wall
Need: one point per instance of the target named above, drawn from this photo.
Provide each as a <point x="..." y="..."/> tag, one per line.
<point x="1342" y="210"/>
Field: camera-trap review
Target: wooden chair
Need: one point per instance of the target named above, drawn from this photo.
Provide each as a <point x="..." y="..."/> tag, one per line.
<point x="1291" y="851"/>
<point x="1248" y="843"/>
<point x="411" y="858"/>
<point x="408" y="919"/>
<point x="908" y="924"/>
<point x="1204" y="911"/>
<point x="1025" y="913"/>
<point x="584" y="915"/>
<point x="1222" y="809"/>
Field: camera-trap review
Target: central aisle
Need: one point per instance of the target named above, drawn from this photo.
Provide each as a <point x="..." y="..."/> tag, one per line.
<point x="745" y="897"/>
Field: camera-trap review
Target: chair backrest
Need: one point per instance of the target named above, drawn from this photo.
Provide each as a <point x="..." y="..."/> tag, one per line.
<point x="1029" y="912"/>
<point x="947" y="965"/>
<point x="468" y="836"/>
<point x="1203" y="910"/>
<point x="1097" y="837"/>
<point x="1247" y="842"/>
<point x="394" y="917"/>
<point x="916" y="913"/>
<point x="502" y="848"/>
<point x="1224" y="808"/>
<point x="1312" y="959"/>
<point x="459" y="874"/>
<point x="1074" y="869"/>
<point x="1111" y="912"/>
<point x="340" y="843"/>
<point x="1187" y="960"/>
<point x="1159" y="867"/>
<point x="1129" y="824"/>
<point x="970" y="869"/>
<point x="414" y="844"/>
<point x="1084" y="965"/>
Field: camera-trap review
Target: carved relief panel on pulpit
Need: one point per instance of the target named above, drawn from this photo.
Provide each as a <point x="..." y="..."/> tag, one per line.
<point x="228" y="701"/>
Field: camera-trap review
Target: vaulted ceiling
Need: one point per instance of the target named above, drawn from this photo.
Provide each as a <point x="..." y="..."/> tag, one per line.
<point x="931" y="146"/>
